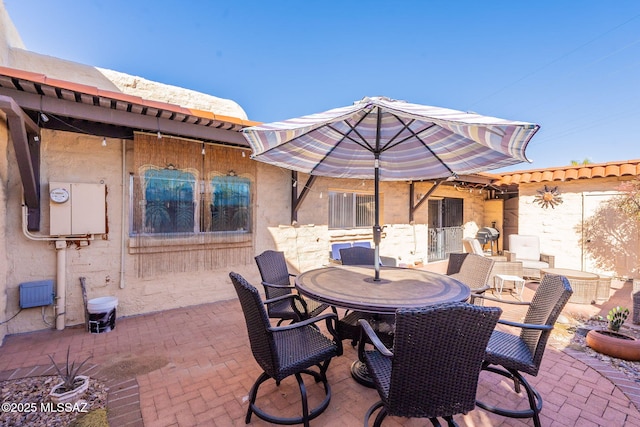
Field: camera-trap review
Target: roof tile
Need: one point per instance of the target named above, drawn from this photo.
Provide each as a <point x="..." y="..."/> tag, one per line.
<point x="572" y="172"/>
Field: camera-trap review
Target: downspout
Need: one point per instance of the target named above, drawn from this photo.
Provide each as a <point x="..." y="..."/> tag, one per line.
<point x="123" y="232"/>
<point x="61" y="283"/>
<point x="582" y="233"/>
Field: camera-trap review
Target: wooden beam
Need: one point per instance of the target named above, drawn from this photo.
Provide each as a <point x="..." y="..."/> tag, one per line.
<point x="413" y="207"/>
<point x="27" y="151"/>
<point x="67" y="108"/>
<point x="296" y="200"/>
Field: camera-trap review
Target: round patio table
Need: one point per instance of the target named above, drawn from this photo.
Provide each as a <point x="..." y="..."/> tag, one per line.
<point x="353" y="288"/>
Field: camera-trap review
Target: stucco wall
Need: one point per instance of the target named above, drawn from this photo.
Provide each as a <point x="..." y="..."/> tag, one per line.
<point x="560" y="228"/>
<point x="73" y="157"/>
<point x="4" y="314"/>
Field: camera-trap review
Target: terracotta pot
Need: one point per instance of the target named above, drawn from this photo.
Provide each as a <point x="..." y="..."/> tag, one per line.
<point x="614" y="344"/>
<point x="72" y="395"/>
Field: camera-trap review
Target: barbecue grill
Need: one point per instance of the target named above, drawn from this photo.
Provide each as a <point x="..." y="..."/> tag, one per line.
<point x="488" y="235"/>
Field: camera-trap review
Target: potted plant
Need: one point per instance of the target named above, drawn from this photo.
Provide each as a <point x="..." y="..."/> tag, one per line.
<point x="611" y="341"/>
<point x="73" y="385"/>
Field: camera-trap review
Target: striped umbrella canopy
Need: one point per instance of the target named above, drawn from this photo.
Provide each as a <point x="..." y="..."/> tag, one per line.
<point x="389" y="140"/>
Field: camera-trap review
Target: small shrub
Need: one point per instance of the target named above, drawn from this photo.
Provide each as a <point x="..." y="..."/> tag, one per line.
<point x="70" y="372"/>
<point x="617" y="317"/>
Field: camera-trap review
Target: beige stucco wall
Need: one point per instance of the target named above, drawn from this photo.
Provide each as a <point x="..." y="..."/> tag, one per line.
<point x="72" y="157"/>
<point x="560" y="228"/>
<point x="4" y="314"/>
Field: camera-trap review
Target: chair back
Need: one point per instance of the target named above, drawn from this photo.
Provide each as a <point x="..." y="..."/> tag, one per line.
<point x="273" y="270"/>
<point x="358" y="255"/>
<point x="474" y="271"/>
<point x="525" y="247"/>
<point x="455" y="262"/>
<point x="438" y="352"/>
<point x="550" y="298"/>
<point x="260" y="337"/>
<point x="472" y="245"/>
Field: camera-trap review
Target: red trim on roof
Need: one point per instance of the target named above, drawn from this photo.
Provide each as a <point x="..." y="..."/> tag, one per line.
<point x="568" y="173"/>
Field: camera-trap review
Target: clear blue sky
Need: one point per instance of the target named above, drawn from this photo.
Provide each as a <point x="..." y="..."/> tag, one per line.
<point x="573" y="67"/>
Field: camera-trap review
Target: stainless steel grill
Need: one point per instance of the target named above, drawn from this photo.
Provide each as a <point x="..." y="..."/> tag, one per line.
<point x="488" y="235"/>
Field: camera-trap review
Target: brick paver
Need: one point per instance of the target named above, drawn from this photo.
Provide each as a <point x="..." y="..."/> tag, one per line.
<point x="210" y="370"/>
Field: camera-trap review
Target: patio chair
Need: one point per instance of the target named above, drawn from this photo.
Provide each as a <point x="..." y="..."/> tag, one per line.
<point x="276" y="280"/>
<point x="348" y="327"/>
<point x="472" y="270"/>
<point x="282" y="351"/>
<point x="473" y="246"/>
<point x="526" y="249"/>
<point x="435" y="363"/>
<point x="509" y="355"/>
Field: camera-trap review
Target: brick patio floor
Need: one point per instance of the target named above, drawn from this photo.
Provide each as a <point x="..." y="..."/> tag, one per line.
<point x="210" y="369"/>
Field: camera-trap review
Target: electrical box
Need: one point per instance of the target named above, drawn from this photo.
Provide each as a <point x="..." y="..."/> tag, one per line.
<point x="77" y="209"/>
<point x="36" y="294"/>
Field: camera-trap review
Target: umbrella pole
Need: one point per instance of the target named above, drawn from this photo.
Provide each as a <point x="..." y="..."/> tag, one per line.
<point x="377" y="230"/>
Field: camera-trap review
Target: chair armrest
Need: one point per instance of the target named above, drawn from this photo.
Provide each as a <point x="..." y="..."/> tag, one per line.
<point x="549" y="259"/>
<point x="525" y="325"/>
<point x="488" y="298"/>
<point x="294" y="298"/>
<point x="271" y="285"/>
<point x="305" y="322"/>
<point x="373" y="337"/>
<point x="511" y="256"/>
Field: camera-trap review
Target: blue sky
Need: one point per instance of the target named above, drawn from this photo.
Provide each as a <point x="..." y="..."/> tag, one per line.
<point x="573" y="67"/>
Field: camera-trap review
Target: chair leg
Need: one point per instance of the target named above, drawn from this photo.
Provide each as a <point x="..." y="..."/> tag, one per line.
<point x="370" y="412"/>
<point x="307" y="414"/>
<point x="534" y="398"/>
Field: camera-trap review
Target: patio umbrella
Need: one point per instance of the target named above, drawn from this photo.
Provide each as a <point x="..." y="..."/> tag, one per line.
<point x="389" y="140"/>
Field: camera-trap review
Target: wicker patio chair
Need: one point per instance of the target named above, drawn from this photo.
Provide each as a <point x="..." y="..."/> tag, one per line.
<point x="282" y="351"/>
<point x="509" y="355"/>
<point x="348" y="327"/>
<point x="276" y="280"/>
<point x="435" y="363"/>
<point x="472" y="270"/>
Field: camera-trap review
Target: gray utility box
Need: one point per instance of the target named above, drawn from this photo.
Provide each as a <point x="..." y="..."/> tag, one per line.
<point x="36" y="294"/>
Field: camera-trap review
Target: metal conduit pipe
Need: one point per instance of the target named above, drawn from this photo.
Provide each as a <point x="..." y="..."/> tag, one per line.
<point x="61" y="265"/>
<point x="61" y="283"/>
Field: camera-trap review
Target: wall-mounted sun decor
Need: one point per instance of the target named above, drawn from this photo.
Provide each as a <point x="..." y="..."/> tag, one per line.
<point x="548" y="197"/>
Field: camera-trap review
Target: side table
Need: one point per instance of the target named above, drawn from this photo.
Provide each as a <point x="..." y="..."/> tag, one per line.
<point x="518" y="283"/>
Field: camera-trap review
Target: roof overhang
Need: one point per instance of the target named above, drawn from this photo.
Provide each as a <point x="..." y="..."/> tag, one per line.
<point x="108" y="113"/>
<point x="26" y="97"/>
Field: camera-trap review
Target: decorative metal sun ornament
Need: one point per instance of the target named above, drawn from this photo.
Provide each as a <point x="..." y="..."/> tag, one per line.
<point x="548" y="197"/>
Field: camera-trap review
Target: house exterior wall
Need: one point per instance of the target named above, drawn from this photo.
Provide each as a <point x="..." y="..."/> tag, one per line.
<point x="4" y="247"/>
<point x="560" y="228"/>
<point x="73" y="157"/>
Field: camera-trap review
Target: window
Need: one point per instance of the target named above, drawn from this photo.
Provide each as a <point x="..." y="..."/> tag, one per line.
<point x="230" y="204"/>
<point x="351" y="210"/>
<point x="169" y="202"/>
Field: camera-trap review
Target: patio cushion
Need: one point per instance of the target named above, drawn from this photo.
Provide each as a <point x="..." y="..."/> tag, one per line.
<point x="527" y="263"/>
<point x="525" y="247"/>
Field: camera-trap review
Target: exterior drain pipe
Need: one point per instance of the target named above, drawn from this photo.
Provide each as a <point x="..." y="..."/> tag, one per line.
<point x="61" y="283"/>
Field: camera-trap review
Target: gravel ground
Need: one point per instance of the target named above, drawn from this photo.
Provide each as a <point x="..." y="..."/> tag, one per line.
<point x="25" y="402"/>
<point x="575" y="337"/>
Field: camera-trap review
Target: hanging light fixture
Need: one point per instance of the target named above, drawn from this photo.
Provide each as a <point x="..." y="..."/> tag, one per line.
<point x="104" y="141"/>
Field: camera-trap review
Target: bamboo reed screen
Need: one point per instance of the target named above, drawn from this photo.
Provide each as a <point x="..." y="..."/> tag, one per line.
<point x="161" y="253"/>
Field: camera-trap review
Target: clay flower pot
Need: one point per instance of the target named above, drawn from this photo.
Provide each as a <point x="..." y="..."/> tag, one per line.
<point x="614" y="344"/>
